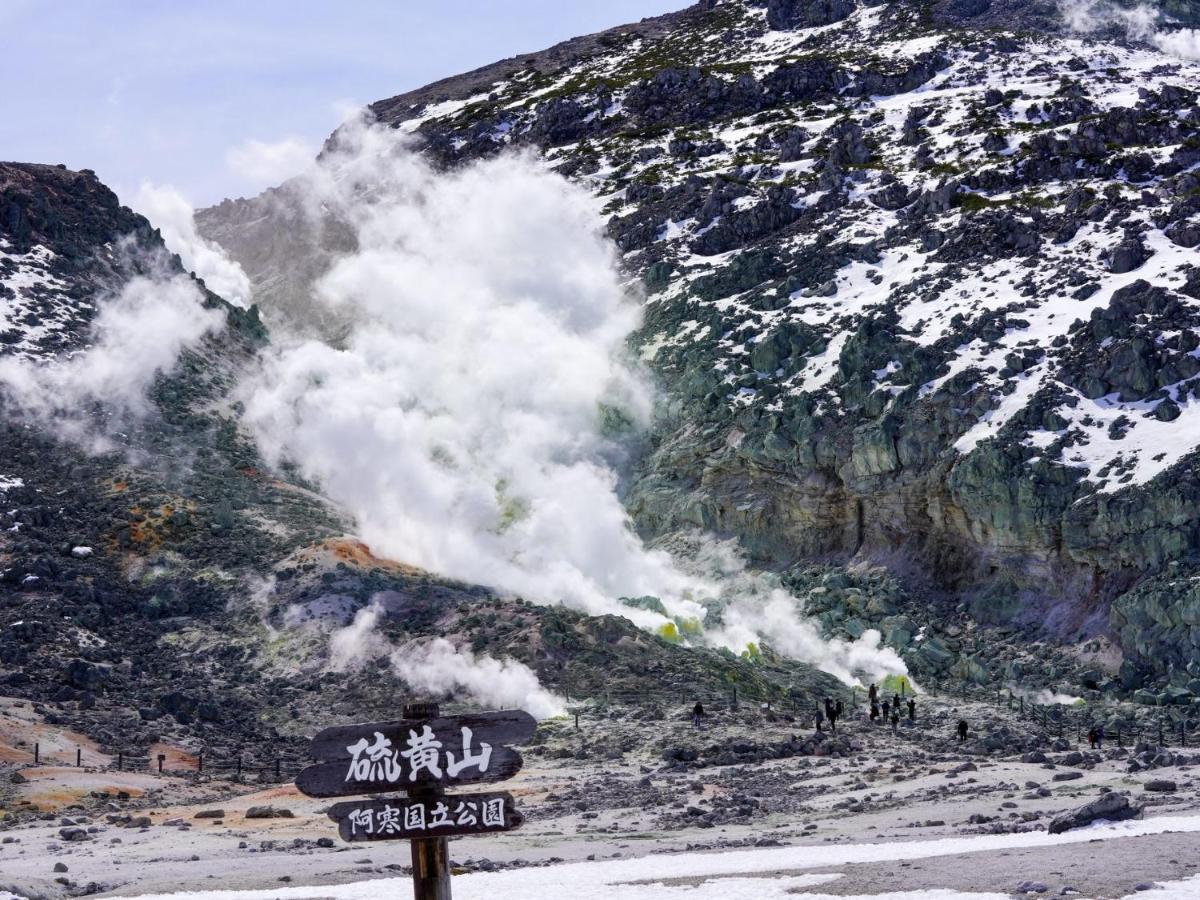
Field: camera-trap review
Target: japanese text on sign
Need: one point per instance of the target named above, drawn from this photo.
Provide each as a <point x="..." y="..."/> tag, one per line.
<point x="403" y="817"/>
<point x="378" y="760"/>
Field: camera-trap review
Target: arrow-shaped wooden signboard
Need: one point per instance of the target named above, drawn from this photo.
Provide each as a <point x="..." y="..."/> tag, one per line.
<point x="402" y="755"/>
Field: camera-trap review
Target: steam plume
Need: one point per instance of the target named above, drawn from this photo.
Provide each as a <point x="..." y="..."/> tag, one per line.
<point x="169" y="211"/>
<point x="137" y="335"/>
<point x="1140" y="23"/>
<point x="474" y="413"/>
<point x="436" y="667"/>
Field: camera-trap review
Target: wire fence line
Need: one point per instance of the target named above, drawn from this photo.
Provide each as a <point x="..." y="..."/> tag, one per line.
<point x="1070" y="723"/>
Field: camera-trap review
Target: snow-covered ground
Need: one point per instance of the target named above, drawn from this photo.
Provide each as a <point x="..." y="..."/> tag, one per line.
<point x="767" y="874"/>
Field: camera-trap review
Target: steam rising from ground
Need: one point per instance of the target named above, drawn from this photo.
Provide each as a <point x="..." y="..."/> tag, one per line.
<point x="169" y="211"/>
<point x="137" y="335"/>
<point x="1044" y="697"/>
<point x="474" y="414"/>
<point x="1141" y="23"/>
<point x="436" y="667"/>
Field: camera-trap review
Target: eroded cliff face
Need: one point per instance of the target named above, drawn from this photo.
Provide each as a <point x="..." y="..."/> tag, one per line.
<point x="921" y="287"/>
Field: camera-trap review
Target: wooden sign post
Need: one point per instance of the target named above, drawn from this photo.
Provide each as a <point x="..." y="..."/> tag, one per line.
<point x="422" y="755"/>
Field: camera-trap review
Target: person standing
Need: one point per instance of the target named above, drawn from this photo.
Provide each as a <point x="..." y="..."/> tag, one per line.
<point x="912" y="710"/>
<point x="962" y="730"/>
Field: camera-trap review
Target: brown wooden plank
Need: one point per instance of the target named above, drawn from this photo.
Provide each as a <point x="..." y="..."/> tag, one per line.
<point x="495" y="728"/>
<point x="334" y="778"/>
<point x="402" y="819"/>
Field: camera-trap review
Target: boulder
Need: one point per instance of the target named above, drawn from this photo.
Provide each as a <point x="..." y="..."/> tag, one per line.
<point x="1161" y="786"/>
<point x="1111" y="807"/>
<point x="269" y="812"/>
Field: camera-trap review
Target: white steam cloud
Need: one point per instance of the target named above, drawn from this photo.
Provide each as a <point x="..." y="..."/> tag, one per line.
<point x="473" y="414"/>
<point x="137" y="335"/>
<point x="1045" y="696"/>
<point x="270" y="162"/>
<point x="169" y="211"/>
<point x="1140" y="23"/>
<point x="437" y="667"/>
<point x="358" y="642"/>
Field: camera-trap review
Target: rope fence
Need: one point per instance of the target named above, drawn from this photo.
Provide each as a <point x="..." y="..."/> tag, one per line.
<point x="1055" y="720"/>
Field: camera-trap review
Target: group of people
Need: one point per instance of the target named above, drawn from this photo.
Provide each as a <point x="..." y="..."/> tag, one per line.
<point x="891" y="708"/>
<point x="1095" y="737"/>
<point x="831" y="713"/>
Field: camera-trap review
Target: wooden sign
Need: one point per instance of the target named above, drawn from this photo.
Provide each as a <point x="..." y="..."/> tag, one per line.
<point x="422" y="754"/>
<point x="412" y="754"/>
<point x="425" y="817"/>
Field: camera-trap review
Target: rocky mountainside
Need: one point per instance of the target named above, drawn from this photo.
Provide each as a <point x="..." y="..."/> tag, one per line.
<point x="162" y="584"/>
<point x="921" y="287"/>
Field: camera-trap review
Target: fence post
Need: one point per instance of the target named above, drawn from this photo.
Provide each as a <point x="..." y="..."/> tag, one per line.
<point x="1182" y="734"/>
<point x="120" y="761"/>
<point x="277" y="767"/>
<point x="1160" y="734"/>
<point x="162" y="758"/>
<point x="239" y="764"/>
<point x="576" y="721"/>
<point x="200" y="762"/>
<point x="37" y="754"/>
<point x="78" y="757"/>
<point x="735" y="698"/>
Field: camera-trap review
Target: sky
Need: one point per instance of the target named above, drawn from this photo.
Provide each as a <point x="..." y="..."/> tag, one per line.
<point x="216" y="98"/>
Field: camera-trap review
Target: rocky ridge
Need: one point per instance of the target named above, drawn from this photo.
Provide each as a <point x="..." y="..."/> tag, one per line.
<point x="921" y="287"/>
<point x="171" y="589"/>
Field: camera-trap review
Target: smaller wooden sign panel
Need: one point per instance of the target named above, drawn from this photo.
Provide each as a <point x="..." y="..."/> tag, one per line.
<point x="440" y="816"/>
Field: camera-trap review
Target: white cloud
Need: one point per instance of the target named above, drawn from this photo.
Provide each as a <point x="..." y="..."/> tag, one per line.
<point x="465" y="415"/>
<point x="270" y="162"/>
<point x="169" y="211"/>
<point x="136" y="336"/>
<point x="1141" y="23"/>
<point x="436" y="667"/>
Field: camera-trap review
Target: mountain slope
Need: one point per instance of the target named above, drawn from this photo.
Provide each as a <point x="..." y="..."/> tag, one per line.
<point x="158" y="583"/>
<point x="921" y="289"/>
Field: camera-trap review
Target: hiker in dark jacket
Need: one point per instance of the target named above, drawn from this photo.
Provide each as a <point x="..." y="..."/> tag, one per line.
<point x="962" y="730"/>
<point x="912" y="710"/>
<point x="873" y="693"/>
